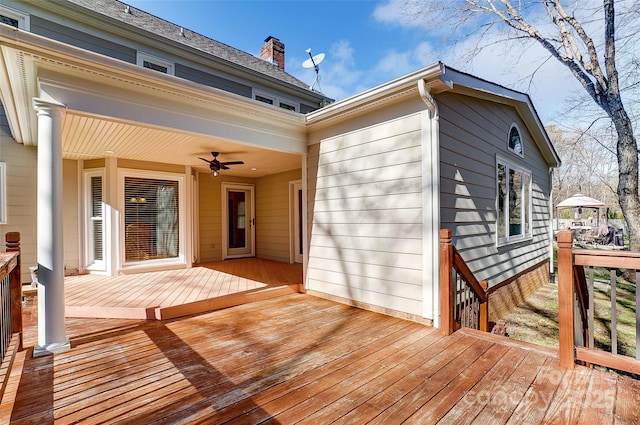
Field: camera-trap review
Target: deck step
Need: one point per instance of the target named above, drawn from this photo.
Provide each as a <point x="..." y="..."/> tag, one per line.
<point x="171" y="312"/>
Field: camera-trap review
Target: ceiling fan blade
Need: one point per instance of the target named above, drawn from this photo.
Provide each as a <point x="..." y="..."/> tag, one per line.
<point x="232" y="163"/>
<point x="223" y="167"/>
<point x="206" y="160"/>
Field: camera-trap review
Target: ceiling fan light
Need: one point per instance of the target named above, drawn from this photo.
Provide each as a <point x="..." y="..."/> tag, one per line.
<point x="215" y="173"/>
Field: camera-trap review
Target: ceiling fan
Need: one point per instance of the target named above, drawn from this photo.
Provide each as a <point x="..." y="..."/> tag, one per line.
<point x="215" y="166"/>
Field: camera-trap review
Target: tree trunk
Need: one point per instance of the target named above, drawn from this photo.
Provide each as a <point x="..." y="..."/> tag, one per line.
<point x="627" y="152"/>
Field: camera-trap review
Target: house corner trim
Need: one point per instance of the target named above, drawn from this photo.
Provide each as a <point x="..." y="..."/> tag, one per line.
<point x="430" y="136"/>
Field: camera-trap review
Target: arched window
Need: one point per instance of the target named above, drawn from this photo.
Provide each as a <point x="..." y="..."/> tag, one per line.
<point x="515" y="141"/>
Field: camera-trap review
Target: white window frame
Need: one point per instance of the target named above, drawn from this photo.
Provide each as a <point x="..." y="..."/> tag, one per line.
<point x="277" y="100"/>
<point x="141" y="57"/>
<point x="508" y="239"/>
<point x="182" y="219"/>
<point x="89" y="260"/>
<point x="515" y="152"/>
<point x="3" y="193"/>
<point x="24" y="20"/>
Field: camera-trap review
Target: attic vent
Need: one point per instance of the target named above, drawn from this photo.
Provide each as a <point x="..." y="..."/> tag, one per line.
<point x="155" y="67"/>
<point x="9" y="21"/>
<point x="148" y="61"/>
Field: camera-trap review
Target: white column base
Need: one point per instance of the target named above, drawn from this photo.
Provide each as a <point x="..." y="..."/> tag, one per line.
<point x="48" y="350"/>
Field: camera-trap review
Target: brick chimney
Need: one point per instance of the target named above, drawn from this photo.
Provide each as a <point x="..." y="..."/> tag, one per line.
<point x="273" y="51"/>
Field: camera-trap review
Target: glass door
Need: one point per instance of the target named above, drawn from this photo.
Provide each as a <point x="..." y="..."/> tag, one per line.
<point x="238" y="221"/>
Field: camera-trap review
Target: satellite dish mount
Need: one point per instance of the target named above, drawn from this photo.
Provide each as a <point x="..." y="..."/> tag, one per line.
<point x="313" y="62"/>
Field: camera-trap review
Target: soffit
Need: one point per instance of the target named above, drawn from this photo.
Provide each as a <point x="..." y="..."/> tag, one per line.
<point x="86" y="137"/>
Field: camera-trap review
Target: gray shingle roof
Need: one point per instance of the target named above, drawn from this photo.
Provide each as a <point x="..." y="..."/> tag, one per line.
<point x="115" y="9"/>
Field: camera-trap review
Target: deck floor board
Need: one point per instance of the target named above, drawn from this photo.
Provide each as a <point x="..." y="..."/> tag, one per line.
<point x="302" y="359"/>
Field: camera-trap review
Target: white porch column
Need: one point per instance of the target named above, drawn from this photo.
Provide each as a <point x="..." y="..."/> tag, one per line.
<point x="51" y="327"/>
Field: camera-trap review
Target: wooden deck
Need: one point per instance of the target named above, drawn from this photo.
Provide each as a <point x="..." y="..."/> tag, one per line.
<point x="301" y="359"/>
<point x="175" y="293"/>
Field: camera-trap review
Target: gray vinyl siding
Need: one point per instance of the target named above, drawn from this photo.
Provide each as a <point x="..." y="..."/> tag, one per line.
<point x="81" y="39"/>
<point x="472" y="133"/>
<point x="305" y="109"/>
<point x="211" y="80"/>
<point x="365" y="215"/>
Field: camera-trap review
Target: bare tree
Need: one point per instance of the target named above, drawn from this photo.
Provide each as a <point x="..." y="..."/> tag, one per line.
<point x="587" y="165"/>
<point x="588" y="54"/>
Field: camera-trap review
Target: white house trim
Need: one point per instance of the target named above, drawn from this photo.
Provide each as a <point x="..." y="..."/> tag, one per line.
<point x="430" y="205"/>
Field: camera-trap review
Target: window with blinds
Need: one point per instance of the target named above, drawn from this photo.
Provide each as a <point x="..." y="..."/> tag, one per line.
<point x="151" y="218"/>
<point x="96" y="233"/>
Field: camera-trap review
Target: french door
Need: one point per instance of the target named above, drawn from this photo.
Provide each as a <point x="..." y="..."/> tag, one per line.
<point x="238" y="220"/>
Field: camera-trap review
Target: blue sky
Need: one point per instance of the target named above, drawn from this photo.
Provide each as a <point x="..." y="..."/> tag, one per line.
<point x="356" y="44"/>
<point x="366" y="43"/>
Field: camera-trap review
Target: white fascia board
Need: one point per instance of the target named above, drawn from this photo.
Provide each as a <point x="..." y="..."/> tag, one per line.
<point x="373" y="97"/>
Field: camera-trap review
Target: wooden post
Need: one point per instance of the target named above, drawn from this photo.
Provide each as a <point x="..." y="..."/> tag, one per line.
<point x="566" y="299"/>
<point x="484" y="308"/>
<point x="12" y="243"/>
<point x="446" y="282"/>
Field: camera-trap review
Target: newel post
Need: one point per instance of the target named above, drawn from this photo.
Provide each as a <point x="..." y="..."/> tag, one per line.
<point x="566" y="299"/>
<point x="484" y="308"/>
<point x="12" y="244"/>
<point x="446" y="282"/>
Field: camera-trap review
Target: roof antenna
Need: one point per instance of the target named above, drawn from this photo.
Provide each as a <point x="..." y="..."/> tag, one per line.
<point x="313" y="62"/>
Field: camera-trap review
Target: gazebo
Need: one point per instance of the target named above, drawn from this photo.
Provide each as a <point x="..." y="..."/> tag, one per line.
<point x="579" y="201"/>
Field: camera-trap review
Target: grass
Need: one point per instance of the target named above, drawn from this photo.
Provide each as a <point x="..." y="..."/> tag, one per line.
<point x="536" y="320"/>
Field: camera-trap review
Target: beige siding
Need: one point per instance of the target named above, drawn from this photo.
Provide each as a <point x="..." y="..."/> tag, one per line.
<point x="21" y="194"/>
<point x="472" y="132"/>
<point x="70" y="223"/>
<point x="273" y="239"/>
<point x="365" y="213"/>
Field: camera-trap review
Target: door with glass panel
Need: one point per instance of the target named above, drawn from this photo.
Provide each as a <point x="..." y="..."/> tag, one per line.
<point x="238" y="235"/>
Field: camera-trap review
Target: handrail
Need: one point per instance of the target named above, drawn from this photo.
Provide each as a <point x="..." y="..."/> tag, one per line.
<point x="10" y="307"/>
<point x="575" y="295"/>
<point x="463" y="299"/>
<point x="467" y="275"/>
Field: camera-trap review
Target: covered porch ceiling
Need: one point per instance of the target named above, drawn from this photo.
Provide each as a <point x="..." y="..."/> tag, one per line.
<point x="85" y="137"/>
<point x="121" y="110"/>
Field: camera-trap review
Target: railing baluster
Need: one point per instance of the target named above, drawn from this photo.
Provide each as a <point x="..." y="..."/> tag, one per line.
<point x="614" y="312"/>
<point x="591" y="329"/>
<point x="462" y="297"/>
<point x="465" y="303"/>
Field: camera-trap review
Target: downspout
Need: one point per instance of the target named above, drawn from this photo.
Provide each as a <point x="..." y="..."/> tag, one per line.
<point x="430" y="139"/>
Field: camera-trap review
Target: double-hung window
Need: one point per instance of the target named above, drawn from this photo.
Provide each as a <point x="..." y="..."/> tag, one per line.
<point x="513" y="202"/>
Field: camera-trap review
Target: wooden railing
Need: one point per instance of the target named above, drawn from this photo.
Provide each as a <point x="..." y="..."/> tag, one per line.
<point x="10" y="306"/>
<point x="463" y="299"/>
<point x="576" y="294"/>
